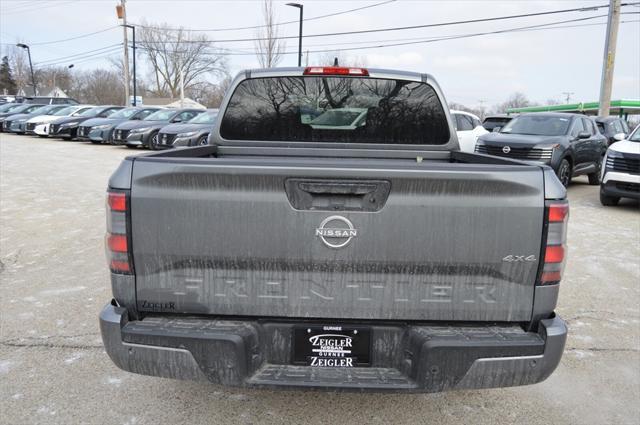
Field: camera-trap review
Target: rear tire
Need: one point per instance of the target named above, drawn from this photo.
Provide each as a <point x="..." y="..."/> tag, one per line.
<point x="95" y="142"/>
<point x="564" y="172"/>
<point x="202" y="141"/>
<point x="608" y="201"/>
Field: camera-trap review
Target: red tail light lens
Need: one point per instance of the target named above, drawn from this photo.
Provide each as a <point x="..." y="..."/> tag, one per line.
<point x="121" y="267"/>
<point x="554" y="254"/>
<point x="550" y="277"/>
<point x="555" y="249"/>
<point x="117" y="201"/>
<point x="335" y="70"/>
<point x="558" y="212"/>
<point x="117" y="244"/>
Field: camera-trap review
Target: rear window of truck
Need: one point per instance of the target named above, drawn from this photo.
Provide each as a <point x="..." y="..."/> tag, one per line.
<point x="335" y="110"/>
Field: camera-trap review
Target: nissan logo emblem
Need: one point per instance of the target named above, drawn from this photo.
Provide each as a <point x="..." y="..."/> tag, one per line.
<point x="336" y="231"/>
<point x="506" y="149"/>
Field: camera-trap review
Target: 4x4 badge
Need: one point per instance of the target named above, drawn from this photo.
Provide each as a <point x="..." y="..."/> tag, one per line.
<point x="519" y="258"/>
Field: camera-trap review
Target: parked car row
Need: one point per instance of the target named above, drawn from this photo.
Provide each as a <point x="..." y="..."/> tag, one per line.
<point x="47" y="100"/>
<point x="145" y="132"/>
<point x="571" y="144"/>
<point x="151" y="127"/>
<point x="613" y="128"/>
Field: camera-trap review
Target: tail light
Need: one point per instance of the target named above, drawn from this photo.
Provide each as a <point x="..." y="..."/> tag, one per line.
<point x="555" y="248"/>
<point x="335" y="70"/>
<point x="118" y="243"/>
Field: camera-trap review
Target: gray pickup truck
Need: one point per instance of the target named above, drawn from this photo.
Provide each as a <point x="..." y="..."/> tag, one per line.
<point x="333" y="236"/>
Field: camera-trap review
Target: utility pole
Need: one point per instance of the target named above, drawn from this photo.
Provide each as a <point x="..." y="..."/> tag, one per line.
<point x="121" y="9"/>
<point x="135" y="84"/>
<point x="568" y="95"/>
<point x="608" y="61"/>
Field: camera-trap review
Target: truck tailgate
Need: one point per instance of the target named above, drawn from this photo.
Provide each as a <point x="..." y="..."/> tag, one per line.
<point x="430" y="241"/>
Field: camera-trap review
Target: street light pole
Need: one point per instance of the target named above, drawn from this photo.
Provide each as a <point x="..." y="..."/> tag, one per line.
<point x="299" y="6"/>
<point x="33" y="78"/>
<point x="133" y="29"/>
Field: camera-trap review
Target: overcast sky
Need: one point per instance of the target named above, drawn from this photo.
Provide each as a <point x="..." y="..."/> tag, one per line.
<point x="542" y="63"/>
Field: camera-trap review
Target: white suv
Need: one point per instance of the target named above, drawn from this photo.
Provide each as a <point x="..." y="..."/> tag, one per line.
<point x="469" y="128"/>
<point x="621" y="172"/>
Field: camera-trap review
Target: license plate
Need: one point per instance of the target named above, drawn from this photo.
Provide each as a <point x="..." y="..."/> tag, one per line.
<point x="331" y="346"/>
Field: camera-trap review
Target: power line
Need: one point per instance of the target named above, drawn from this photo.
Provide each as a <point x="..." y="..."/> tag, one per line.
<point x="74" y="38"/>
<point x="39" y="6"/>
<point x="78" y="59"/>
<point x="456" y="37"/>
<point x="95" y="58"/>
<point x="436" y="37"/>
<point x="420" y="41"/>
<point x="110" y="47"/>
<point x="23" y="5"/>
<point x="109" y="51"/>
<point x="17" y="5"/>
<point x="276" y="24"/>
<point x="412" y="27"/>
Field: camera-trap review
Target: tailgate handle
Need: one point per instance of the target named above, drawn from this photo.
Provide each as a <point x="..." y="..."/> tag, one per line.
<point x="337" y="195"/>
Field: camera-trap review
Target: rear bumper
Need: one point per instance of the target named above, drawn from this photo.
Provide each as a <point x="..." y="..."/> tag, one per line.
<point x="403" y="358"/>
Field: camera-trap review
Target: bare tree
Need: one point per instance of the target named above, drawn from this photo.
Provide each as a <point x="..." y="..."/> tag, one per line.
<point x="460" y="107"/>
<point x="52" y="77"/>
<point x="515" y="100"/>
<point x="98" y="86"/>
<point x="210" y="94"/>
<point x="268" y="47"/>
<point x="20" y="66"/>
<point x="329" y="59"/>
<point x="170" y="50"/>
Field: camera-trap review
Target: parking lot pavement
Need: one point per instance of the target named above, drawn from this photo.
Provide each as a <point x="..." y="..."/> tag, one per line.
<point x="53" y="283"/>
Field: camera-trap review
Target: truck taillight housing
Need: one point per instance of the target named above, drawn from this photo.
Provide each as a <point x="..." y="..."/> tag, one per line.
<point x="555" y="249"/>
<point x="118" y="240"/>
